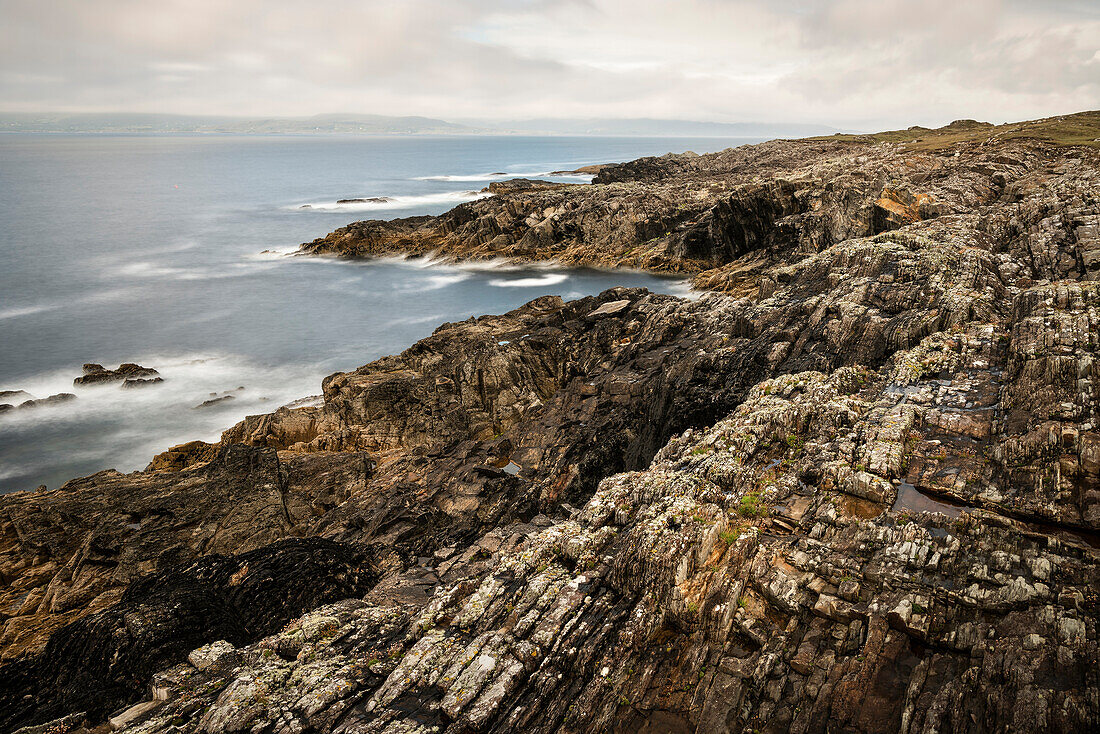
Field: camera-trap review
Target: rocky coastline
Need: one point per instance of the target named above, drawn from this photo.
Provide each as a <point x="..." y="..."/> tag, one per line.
<point x="855" y="486"/>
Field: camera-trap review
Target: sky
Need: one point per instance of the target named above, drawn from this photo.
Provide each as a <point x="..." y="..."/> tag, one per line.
<point x="866" y="64"/>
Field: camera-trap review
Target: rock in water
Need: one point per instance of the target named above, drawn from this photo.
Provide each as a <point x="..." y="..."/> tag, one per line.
<point x="61" y="397"/>
<point x="132" y="382"/>
<point x="15" y="396"/>
<point x="95" y="374"/>
<point x="214" y="401"/>
<point x="368" y="200"/>
<point x="857" y="488"/>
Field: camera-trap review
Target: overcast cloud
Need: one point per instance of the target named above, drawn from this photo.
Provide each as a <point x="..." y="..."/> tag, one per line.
<point x="861" y="63"/>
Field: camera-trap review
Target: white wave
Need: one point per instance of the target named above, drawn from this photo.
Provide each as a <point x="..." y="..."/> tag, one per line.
<point x="548" y="279"/>
<point x="381" y="203"/>
<point x="435" y="318"/>
<point x="494" y="265"/>
<point x="12" y="313"/>
<point x="98" y="297"/>
<point x="420" y="283"/>
<point x="466" y="177"/>
<point x="272" y="254"/>
<point x="124" y="428"/>
<point x="684" y="289"/>
<point x="151" y="270"/>
<point x="502" y="175"/>
<point x="435" y="282"/>
<point x="145" y="269"/>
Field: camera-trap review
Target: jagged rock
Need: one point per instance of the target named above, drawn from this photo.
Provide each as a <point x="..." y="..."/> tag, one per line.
<point x="857" y="490"/>
<point x="514" y="185"/>
<point x="214" y="401"/>
<point x="61" y="397"/>
<point x="91" y="664"/>
<point x="72" y="551"/>
<point x="183" y="456"/>
<point x="133" y="382"/>
<point x="15" y="396"/>
<point x="95" y="374"/>
<point x="216" y="653"/>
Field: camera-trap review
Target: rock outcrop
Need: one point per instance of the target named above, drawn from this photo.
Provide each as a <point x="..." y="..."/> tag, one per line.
<point x="855" y="487"/>
<point x="96" y="374"/>
<point x="57" y="399"/>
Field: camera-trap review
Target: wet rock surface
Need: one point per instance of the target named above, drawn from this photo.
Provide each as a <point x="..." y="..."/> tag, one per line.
<point x="93" y="664"/>
<point x="58" y="399"/>
<point x="856" y="488"/>
<point x="97" y="374"/>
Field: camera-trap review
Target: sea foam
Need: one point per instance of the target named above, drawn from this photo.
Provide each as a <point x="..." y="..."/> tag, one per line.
<point x="501" y="176"/>
<point x="548" y="279"/>
<point x="382" y="203"/>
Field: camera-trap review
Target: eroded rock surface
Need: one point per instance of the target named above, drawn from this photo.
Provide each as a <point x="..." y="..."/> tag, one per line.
<point x="857" y="488"/>
<point x="96" y="374"/>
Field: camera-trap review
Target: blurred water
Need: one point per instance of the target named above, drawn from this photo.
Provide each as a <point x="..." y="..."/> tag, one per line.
<point x="147" y="249"/>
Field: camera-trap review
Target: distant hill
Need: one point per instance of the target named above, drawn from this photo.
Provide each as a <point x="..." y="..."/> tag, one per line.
<point x="127" y="122"/>
<point x="644" y="126"/>
<point x="157" y="123"/>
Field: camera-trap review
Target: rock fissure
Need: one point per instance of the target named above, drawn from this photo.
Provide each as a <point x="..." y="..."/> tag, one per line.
<point x="636" y="512"/>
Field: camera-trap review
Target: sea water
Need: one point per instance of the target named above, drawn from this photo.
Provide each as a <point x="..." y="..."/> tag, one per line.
<point x="150" y="249"/>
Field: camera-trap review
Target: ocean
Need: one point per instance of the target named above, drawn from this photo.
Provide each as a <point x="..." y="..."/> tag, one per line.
<point x="150" y="249"/>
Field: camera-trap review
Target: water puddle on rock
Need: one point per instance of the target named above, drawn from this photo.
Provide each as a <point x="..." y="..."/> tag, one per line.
<point x="1073" y="536"/>
<point x="912" y="499"/>
<point x="858" y="508"/>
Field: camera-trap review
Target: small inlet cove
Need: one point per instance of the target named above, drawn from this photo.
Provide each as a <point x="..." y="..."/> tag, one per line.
<point x="172" y="252"/>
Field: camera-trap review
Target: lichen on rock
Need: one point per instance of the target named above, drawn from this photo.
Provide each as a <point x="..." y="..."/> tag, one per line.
<point x="855" y="486"/>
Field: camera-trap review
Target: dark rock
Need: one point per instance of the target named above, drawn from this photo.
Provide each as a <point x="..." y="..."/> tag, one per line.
<point x="856" y="490"/>
<point x="14" y="396"/>
<point x="513" y="185"/>
<point x="131" y="382"/>
<point x="214" y="401"/>
<point x="95" y="374"/>
<point x="369" y="200"/>
<point x="61" y="397"/>
<point x="93" y="664"/>
<point x="80" y="545"/>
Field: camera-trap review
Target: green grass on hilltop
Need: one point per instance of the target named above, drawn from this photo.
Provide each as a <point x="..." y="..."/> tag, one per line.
<point x="1082" y="128"/>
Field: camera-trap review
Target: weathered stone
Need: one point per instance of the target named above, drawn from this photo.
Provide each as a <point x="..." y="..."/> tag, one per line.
<point x="707" y="533"/>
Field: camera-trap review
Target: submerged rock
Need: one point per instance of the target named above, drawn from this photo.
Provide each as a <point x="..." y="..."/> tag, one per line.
<point x="14" y="396"/>
<point x="134" y="382"/>
<point x="61" y="397"/>
<point x="368" y="200"/>
<point x="215" y="401"/>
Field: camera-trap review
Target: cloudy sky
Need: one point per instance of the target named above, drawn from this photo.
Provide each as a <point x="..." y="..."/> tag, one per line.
<point x="858" y="63"/>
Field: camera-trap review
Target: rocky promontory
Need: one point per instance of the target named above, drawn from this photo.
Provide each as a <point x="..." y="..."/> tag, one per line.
<point x="853" y="487"/>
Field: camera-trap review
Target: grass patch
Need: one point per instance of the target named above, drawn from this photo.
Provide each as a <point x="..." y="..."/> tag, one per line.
<point x="751" y="505"/>
<point x="1082" y="128"/>
<point x="729" y="536"/>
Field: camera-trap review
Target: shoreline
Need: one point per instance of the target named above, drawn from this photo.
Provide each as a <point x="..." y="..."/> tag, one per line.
<point x="641" y="497"/>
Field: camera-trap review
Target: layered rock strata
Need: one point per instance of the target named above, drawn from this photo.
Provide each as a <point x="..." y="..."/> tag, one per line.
<point x="857" y="488"/>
